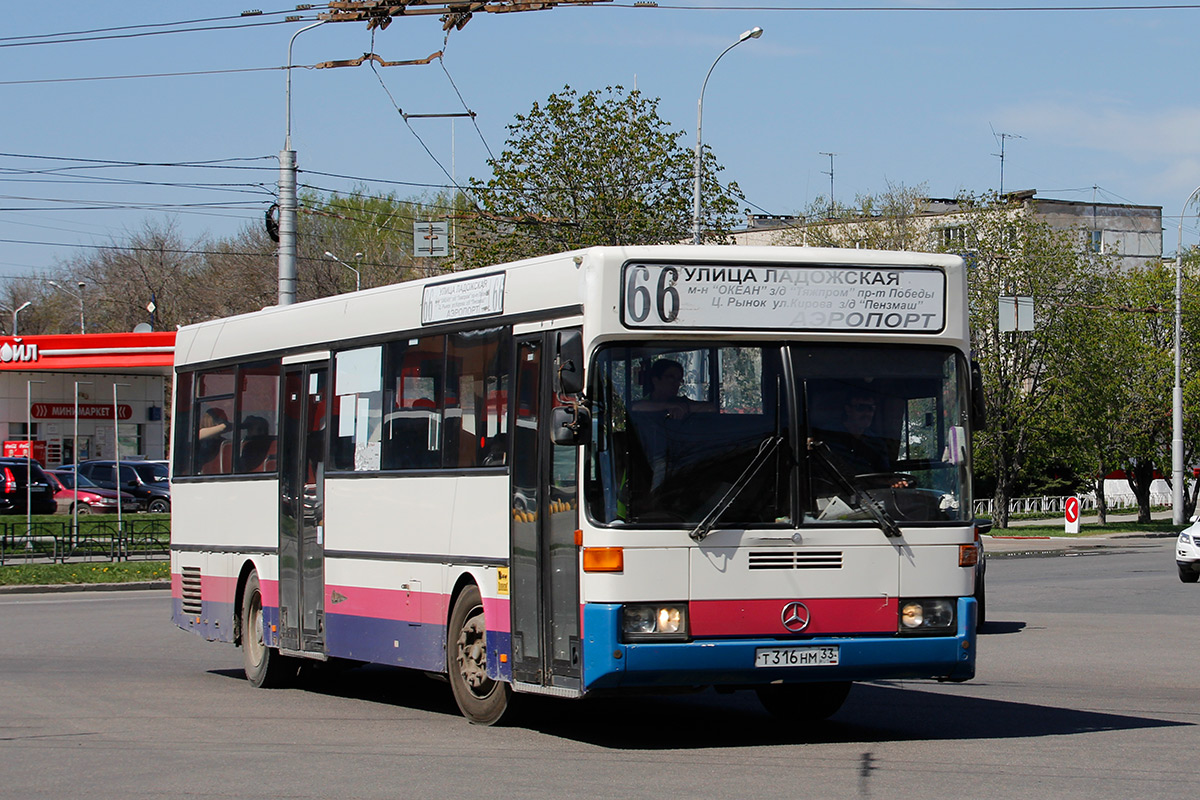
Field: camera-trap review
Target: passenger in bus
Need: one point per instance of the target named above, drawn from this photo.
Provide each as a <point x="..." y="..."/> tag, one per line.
<point x="214" y="423"/>
<point x="666" y="379"/>
<point x="256" y="444"/>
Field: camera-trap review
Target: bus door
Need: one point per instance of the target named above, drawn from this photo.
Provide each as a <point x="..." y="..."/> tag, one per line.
<point x="544" y="559"/>
<point x="302" y="508"/>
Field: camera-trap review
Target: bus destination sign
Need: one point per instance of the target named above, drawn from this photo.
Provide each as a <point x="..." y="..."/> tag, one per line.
<point x="463" y="299"/>
<point x="814" y="298"/>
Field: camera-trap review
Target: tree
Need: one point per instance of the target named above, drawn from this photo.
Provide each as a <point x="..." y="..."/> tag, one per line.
<point x="1012" y="253"/>
<point x="892" y="220"/>
<point x="194" y="280"/>
<point x="1147" y="376"/>
<point x="600" y="168"/>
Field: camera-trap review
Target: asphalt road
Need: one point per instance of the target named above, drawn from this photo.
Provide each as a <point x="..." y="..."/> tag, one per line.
<point x="1086" y="689"/>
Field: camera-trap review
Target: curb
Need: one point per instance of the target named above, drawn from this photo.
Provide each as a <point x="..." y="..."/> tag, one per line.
<point x="84" y="587"/>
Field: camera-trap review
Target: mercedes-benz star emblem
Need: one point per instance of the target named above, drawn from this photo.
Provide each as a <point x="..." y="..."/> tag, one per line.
<point x="795" y="616"/>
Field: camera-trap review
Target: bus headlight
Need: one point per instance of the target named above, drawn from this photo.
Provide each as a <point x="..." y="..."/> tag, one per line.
<point x="654" y="622"/>
<point x="927" y="615"/>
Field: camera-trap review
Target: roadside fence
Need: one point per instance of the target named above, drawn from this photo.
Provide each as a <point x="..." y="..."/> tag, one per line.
<point x="1048" y="504"/>
<point x="98" y="539"/>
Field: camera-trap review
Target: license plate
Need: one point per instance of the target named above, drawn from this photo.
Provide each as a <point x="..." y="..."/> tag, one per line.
<point x="796" y="656"/>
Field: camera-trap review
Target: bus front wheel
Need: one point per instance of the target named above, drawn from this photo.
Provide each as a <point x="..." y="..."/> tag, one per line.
<point x="481" y="699"/>
<point x="265" y="667"/>
<point x="804" y="702"/>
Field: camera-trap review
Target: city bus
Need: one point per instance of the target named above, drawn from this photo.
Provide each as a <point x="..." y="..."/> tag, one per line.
<point x="619" y="469"/>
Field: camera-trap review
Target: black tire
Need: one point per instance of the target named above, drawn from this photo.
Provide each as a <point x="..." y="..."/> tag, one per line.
<point x="82" y="509"/>
<point x="481" y="699"/>
<point x="804" y="702"/>
<point x="1187" y="574"/>
<point x="159" y="506"/>
<point x="265" y="667"/>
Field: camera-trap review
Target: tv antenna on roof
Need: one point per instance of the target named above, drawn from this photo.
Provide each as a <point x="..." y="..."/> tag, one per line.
<point x="1001" y="137"/>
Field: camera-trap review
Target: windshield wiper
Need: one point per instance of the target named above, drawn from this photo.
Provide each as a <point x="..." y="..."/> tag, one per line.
<point x="765" y="450"/>
<point x="862" y="498"/>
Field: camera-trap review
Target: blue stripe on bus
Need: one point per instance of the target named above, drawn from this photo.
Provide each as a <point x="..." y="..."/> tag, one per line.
<point x="608" y="663"/>
<point x="402" y="644"/>
<point x="214" y="622"/>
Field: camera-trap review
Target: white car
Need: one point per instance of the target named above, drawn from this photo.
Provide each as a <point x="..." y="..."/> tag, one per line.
<point x="1187" y="553"/>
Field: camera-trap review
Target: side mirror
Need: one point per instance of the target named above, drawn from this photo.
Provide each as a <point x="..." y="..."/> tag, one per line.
<point x="978" y="399"/>
<point x="571" y="425"/>
<point x="569" y="363"/>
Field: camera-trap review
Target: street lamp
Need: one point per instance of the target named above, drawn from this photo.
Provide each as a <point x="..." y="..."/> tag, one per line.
<point x="78" y="297"/>
<point x="18" y="310"/>
<point x="753" y="33"/>
<point x="357" y="277"/>
<point x="28" y="466"/>
<point x="1177" y="392"/>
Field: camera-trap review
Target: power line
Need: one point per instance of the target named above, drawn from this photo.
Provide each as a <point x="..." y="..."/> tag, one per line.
<point x="147" y="75"/>
<point x="136" y="27"/>
<point x="151" y="33"/>
<point x="90" y="163"/>
<point x="918" y="9"/>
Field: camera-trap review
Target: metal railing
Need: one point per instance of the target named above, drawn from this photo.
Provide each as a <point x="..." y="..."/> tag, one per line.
<point x="98" y="539"/>
<point x="1048" y="504"/>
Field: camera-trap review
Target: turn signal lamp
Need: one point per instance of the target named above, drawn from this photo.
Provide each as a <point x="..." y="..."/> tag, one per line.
<point x="968" y="555"/>
<point x="603" y="559"/>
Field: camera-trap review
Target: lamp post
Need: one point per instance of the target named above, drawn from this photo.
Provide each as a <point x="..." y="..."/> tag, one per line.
<point x="357" y="276"/>
<point x="753" y="33"/>
<point x="78" y="297"/>
<point x="18" y="310"/>
<point x="1177" y="391"/>
<point x="117" y="455"/>
<point x="75" y="467"/>
<point x="28" y="467"/>
<point x="287" y="191"/>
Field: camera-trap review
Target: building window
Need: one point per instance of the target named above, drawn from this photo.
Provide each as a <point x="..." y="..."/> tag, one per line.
<point x="16" y="430"/>
<point x="951" y="237"/>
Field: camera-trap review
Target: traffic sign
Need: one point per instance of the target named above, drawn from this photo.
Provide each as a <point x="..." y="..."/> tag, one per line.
<point x="1071" y="514"/>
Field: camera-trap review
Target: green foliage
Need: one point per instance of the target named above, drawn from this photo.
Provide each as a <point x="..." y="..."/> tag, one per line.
<point x="600" y="168"/>
<point x="1012" y="253"/>
<point x="893" y="220"/>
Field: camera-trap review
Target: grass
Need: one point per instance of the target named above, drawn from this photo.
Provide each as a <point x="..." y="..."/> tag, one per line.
<point x="87" y="572"/>
<point x="1085" y="530"/>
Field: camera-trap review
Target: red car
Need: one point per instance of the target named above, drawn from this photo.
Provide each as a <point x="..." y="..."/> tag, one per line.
<point x="92" y="498"/>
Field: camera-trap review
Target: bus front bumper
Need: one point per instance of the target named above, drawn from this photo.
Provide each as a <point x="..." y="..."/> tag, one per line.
<point x="610" y="664"/>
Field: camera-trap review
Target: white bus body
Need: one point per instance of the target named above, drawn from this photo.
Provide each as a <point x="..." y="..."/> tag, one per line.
<point x="385" y="476"/>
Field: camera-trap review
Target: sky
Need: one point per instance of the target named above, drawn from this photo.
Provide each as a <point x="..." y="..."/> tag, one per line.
<point x="1090" y="100"/>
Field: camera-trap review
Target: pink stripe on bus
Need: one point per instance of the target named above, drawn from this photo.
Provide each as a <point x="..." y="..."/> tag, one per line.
<point x="428" y="608"/>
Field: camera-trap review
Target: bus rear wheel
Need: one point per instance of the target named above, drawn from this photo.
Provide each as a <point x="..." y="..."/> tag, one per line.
<point x="804" y="702"/>
<point x="264" y="666"/>
<point x="481" y="699"/>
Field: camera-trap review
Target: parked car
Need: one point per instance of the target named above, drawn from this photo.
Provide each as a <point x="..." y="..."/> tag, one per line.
<point x="146" y="480"/>
<point x="22" y="480"/>
<point x="92" y="498"/>
<point x="1187" y="553"/>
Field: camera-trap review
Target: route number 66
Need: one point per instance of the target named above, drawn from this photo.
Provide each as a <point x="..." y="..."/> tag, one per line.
<point x="640" y="300"/>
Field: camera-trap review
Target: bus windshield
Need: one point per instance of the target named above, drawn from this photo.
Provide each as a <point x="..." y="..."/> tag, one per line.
<point x="778" y="435"/>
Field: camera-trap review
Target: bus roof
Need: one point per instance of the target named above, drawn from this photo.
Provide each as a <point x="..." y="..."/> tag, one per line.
<point x="552" y="285"/>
